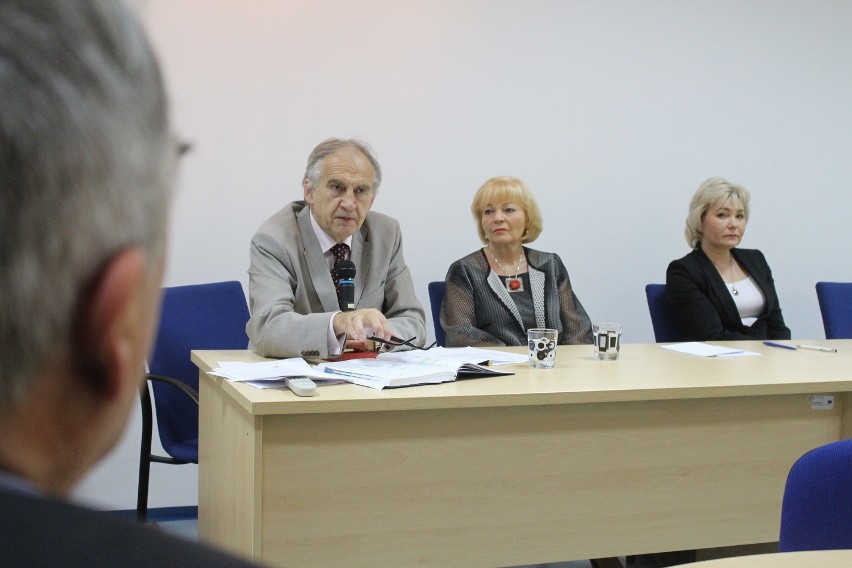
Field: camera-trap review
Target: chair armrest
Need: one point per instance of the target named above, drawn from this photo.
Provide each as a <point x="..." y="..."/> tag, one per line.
<point x="187" y="390"/>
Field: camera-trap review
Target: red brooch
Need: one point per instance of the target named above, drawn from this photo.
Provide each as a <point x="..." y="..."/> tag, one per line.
<point x="514" y="284"/>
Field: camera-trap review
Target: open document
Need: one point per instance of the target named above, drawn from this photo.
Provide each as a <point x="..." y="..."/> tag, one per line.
<point x="475" y="355"/>
<point x="395" y="369"/>
<point x="405" y="368"/>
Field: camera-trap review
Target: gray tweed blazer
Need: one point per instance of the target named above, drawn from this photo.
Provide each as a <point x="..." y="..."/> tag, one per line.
<point x="479" y="311"/>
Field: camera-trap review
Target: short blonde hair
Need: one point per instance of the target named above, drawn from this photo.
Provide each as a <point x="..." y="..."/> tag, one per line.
<point x="505" y="189"/>
<point x="712" y="193"/>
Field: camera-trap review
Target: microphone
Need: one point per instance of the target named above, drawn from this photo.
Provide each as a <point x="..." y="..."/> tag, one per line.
<point x="346" y="287"/>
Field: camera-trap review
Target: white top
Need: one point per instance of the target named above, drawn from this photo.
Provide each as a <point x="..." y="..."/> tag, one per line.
<point x="749" y="299"/>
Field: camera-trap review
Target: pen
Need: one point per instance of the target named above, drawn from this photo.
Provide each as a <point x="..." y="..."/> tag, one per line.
<point x="781" y="345"/>
<point x="818" y="348"/>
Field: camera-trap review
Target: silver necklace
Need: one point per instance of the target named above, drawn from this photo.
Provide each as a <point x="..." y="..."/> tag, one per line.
<point x="734" y="291"/>
<point x="513" y="283"/>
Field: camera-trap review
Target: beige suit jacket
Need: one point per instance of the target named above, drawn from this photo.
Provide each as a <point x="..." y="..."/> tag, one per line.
<point x="292" y="296"/>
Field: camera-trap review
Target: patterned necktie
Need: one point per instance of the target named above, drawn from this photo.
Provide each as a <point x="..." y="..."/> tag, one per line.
<point x="339" y="252"/>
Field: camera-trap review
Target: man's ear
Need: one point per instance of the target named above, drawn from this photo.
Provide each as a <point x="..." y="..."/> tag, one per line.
<point x="108" y="326"/>
<point x="308" y="191"/>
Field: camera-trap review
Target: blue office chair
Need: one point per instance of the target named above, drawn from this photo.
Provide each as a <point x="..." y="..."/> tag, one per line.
<point x="662" y="318"/>
<point x="201" y="316"/>
<point x="835" y="305"/>
<point x="816" y="513"/>
<point x="436" y="298"/>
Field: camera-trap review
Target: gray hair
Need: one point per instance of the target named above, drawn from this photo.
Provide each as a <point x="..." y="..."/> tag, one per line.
<point x="332" y="145"/>
<point x="712" y="193"/>
<point x="86" y="169"/>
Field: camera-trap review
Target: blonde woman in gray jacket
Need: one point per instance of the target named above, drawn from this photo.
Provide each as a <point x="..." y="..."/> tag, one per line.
<point x="499" y="291"/>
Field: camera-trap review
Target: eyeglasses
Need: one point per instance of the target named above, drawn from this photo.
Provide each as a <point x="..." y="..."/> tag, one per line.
<point x="397" y="342"/>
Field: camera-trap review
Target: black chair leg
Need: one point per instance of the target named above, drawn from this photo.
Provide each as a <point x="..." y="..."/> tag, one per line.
<point x="144" y="455"/>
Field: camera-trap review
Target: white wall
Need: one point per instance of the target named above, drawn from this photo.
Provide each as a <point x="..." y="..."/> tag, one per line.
<point x="612" y="111"/>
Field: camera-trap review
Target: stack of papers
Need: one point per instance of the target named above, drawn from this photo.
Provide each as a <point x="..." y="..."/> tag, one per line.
<point x="707" y="350"/>
<point x="268" y="374"/>
<point x="394" y="369"/>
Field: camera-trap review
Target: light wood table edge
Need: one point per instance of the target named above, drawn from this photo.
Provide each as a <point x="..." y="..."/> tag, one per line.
<point x="432" y="397"/>
<point x="803" y="559"/>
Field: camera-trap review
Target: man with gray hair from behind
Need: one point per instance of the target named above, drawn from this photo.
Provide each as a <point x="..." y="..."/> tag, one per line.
<point x="87" y="161"/>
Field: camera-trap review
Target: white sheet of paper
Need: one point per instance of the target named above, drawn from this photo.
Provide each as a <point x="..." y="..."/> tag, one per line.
<point x="739" y="354"/>
<point x="706" y="350"/>
<point x="237" y="371"/>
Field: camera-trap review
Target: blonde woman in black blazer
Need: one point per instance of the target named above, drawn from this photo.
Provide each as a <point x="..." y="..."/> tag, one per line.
<point x="718" y="291"/>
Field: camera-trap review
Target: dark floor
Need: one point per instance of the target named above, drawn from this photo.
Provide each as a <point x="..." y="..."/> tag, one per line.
<point x="183" y="522"/>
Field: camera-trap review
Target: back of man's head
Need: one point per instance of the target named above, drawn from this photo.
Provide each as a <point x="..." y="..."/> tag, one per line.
<point x="86" y="169"/>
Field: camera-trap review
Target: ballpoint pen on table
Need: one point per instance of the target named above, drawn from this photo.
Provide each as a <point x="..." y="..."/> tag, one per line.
<point x="781" y="345"/>
<point x="818" y="348"/>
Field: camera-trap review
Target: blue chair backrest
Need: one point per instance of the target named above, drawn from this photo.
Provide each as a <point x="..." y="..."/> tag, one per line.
<point x="436" y="298"/>
<point x="835" y="305"/>
<point x="200" y="316"/>
<point x="662" y="318"/>
<point x="816" y="513"/>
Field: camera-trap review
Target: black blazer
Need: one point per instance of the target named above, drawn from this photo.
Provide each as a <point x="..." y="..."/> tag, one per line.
<point x="36" y="531"/>
<point x="702" y="304"/>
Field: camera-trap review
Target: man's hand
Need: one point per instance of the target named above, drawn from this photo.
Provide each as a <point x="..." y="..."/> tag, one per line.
<point x="358" y="324"/>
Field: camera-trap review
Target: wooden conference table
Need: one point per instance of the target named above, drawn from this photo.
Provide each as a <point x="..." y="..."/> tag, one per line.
<point x="806" y="559"/>
<point x="656" y="451"/>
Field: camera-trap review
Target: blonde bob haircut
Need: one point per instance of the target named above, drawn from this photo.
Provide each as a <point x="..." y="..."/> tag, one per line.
<point x="505" y="189"/>
<point x="712" y="193"/>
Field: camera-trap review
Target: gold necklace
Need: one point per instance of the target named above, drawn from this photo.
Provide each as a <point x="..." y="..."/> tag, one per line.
<point x="513" y="283"/>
